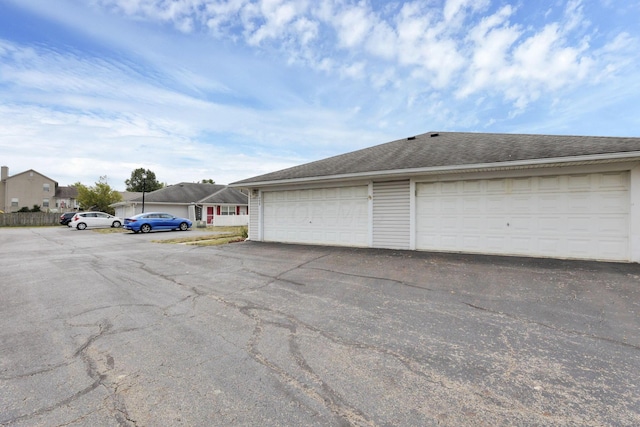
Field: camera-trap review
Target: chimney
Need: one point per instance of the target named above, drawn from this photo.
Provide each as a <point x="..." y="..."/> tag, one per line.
<point x="4" y="173"/>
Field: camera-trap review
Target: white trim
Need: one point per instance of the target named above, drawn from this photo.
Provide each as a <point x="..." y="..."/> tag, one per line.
<point x="370" y="214"/>
<point x="412" y="214"/>
<point x="634" y="214"/>
<point x="260" y="216"/>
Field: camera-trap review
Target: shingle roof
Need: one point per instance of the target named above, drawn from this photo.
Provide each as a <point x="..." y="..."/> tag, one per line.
<point x="67" y="192"/>
<point x="451" y="149"/>
<point x="227" y="196"/>
<point x="130" y="195"/>
<point x="188" y="192"/>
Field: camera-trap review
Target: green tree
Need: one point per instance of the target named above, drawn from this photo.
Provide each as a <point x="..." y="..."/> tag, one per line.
<point x="98" y="197"/>
<point x="207" y="181"/>
<point x="138" y="183"/>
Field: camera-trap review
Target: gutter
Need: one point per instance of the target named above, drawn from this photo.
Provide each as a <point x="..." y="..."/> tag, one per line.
<point x="478" y="167"/>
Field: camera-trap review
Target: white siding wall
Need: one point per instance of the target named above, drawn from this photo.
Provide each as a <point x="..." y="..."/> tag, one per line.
<point x="254" y="215"/>
<point x="230" y="220"/>
<point x="391" y="214"/>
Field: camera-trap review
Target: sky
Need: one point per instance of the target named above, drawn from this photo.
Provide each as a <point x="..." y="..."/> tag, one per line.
<point x="226" y="90"/>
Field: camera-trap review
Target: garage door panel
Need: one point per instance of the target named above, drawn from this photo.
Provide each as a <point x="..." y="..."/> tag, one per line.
<point x="614" y="202"/>
<point x="611" y="181"/>
<point x="495" y="224"/>
<point x="496" y="243"/>
<point x="611" y="224"/>
<point x="579" y="182"/>
<point x="450" y="188"/>
<point x="498" y="186"/>
<point x="521" y="185"/>
<point x="521" y="203"/>
<point x="577" y="216"/>
<point x="549" y="183"/>
<point x="552" y="202"/>
<point x="550" y="245"/>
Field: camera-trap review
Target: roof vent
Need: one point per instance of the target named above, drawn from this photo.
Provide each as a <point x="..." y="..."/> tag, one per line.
<point x="411" y="138"/>
<point x="434" y="134"/>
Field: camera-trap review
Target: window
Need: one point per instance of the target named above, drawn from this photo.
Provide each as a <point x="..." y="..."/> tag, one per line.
<point x="227" y="210"/>
<point x="14" y="202"/>
<point x="45" y="188"/>
<point x="45" y="203"/>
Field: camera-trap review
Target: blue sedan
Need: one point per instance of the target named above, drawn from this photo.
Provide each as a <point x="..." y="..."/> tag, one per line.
<point x="145" y="222"/>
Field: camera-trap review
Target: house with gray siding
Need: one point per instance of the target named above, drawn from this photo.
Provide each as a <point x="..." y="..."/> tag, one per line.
<point x="554" y="196"/>
<point x="213" y="204"/>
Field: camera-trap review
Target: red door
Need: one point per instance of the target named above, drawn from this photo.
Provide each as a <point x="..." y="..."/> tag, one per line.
<point x="209" y="214"/>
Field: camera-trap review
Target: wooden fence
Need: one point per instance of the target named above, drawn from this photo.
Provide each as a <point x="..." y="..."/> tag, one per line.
<point x="29" y="219"/>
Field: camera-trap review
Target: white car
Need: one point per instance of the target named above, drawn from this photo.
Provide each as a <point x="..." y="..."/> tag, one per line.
<point x="82" y="220"/>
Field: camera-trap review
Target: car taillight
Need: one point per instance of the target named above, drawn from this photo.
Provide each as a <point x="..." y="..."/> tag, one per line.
<point x="76" y="218"/>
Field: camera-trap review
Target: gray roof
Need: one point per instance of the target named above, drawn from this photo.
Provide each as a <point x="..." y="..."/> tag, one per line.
<point x="130" y="195"/>
<point x="188" y="192"/>
<point x="227" y="196"/>
<point x="441" y="150"/>
<point x="68" y="192"/>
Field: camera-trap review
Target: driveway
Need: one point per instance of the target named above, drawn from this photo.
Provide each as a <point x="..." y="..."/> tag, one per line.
<point x="116" y="330"/>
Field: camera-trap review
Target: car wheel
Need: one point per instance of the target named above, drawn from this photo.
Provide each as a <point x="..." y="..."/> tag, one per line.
<point x="145" y="228"/>
<point x="116" y="224"/>
<point x="184" y="226"/>
<point x="81" y="226"/>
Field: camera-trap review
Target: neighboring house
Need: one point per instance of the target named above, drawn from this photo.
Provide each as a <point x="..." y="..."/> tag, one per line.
<point x="30" y="188"/>
<point x="67" y="199"/>
<point x="126" y="208"/>
<point x="525" y="195"/>
<point x="210" y="203"/>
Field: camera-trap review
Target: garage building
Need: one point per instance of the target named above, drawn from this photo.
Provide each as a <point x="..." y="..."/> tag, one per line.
<point x="525" y="195"/>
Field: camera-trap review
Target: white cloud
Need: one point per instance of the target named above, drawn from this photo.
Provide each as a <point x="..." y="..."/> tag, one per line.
<point x="453" y="47"/>
<point x="354" y="71"/>
<point x="276" y="15"/>
<point x="453" y="8"/>
<point x="383" y="41"/>
<point x="491" y="40"/>
<point x="352" y="26"/>
<point x="424" y="46"/>
<point x="523" y="64"/>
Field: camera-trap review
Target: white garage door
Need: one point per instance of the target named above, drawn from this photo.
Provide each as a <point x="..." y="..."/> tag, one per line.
<point x="326" y="216"/>
<point x="569" y="216"/>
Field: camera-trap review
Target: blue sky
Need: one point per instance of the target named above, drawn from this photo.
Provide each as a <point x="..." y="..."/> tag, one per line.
<point x="230" y="89"/>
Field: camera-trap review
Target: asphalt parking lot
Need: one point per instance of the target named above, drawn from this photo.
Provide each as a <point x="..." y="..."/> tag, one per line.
<point x="116" y="330"/>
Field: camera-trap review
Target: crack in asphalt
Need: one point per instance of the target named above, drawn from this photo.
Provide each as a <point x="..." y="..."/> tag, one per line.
<point x="554" y="328"/>
<point x="327" y="397"/>
<point x="324" y="395"/>
<point x="99" y="378"/>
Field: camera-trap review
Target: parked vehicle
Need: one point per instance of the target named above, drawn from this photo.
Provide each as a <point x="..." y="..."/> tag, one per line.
<point x="82" y="220"/>
<point x="66" y="218"/>
<point x="145" y="222"/>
